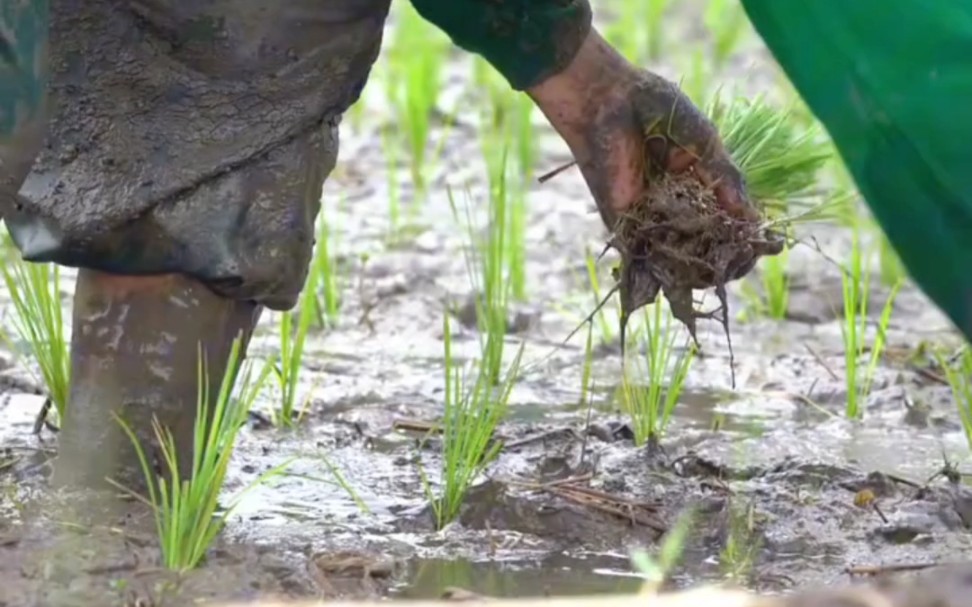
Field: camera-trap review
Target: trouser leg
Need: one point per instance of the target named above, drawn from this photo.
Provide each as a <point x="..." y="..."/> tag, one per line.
<point x="134" y="352"/>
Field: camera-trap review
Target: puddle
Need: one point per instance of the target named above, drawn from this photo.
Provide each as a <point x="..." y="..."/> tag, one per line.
<point x="555" y="575"/>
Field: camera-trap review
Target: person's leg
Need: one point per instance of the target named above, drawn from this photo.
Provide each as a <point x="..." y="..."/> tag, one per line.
<point x="134" y="353"/>
<point x="216" y="226"/>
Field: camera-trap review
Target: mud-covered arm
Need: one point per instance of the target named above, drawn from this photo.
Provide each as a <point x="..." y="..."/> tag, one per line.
<point x="525" y="40"/>
<point x="24" y="26"/>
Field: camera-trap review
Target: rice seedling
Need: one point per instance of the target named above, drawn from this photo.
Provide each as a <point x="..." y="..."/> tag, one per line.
<point x="726" y="22"/>
<point x="892" y="270"/>
<point x="487" y="263"/>
<point x="779" y="158"/>
<point x="394" y="191"/>
<point x="738" y="556"/>
<point x="339" y="480"/>
<point x="526" y="148"/>
<point x="287" y="366"/>
<point x="959" y="377"/>
<point x="473" y="408"/>
<point x="695" y="81"/>
<point x="508" y="193"/>
<point x="185" y="509"/>
<point x="638" y="31"/>
<point x="665" y="369"/>
<point x="605" y="328"/>
<point x="773" y="297"/>
<point x="656" y="570"/>
<point x="324" y="292"/>
<point x="417" y="55"/>
<point x="856" y="283"/>
<point x="588" y="367"/>
<point x="39" y="324"/>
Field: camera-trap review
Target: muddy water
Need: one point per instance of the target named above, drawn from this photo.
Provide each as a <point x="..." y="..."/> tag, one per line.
<point x="768" y="466"/>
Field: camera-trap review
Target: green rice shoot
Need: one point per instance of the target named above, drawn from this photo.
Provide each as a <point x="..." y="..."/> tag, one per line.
<point x="391" y="151"/>
<point x="638" y="32"/>
<point x="417" y="55"/>
<point x="588" y="368"/>
<point x="185" y="509"/>
<point x="892" y="269"/>
<point x="696" y="78"/>
<point x="486" y="264"/>
<point x="772" y="299"/>
<point x="656" y="569"/>
<point x="473" y="409"/>
<point x="738" y="557"/>
<point x="665" y="369"/>
<point x="606" y="332"/>
<point x="727" y="24"/>
<point x="856" y="286"/>
<point x="39" y="325"/>
<point x="779" y="158"/>
<point x="326" y="294"/>
<point x="294" y="327"/>
<point x="508" y="192"/>
<point x="959" y="377"/>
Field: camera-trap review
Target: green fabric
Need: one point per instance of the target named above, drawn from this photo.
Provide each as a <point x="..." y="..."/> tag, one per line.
<point x="892" y="82"/>
<point x="23" y="71"/>
<point x="525" y="40"/>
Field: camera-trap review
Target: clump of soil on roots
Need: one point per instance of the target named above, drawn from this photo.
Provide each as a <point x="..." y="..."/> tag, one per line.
<point x="677" y="239"/>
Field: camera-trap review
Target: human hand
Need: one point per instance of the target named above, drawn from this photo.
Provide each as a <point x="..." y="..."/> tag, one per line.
<point x="619" y="121"/>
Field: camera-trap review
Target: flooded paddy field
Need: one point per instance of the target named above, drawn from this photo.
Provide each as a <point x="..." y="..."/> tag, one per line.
<point x="787" y="492"/>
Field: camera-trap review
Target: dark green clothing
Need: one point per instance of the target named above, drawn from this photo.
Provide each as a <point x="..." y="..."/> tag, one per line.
<point x="24" y="28"/>
<point x="892" y="82"/>
<point x="194" y="137"/>
<point x="525" y="40"/>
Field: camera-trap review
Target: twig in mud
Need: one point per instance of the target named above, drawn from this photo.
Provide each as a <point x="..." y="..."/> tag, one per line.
<point x="535" y="486"/>
<point x="580" y="478"/>
<point x="873" y="570"/>
<point x="415" y="425"/>
<point x="43" y="450"/>
<point x="557" y="171"/>
<point x="884" y="519"/>
<point x="109" y="569"/>
<point x="821" y="361"/>
<point x="800" y="398"/>
<point x="540" y="436"/>
<point x="929" y="374"/>
<point x="636" y="512"/>
<point x="903" y="481"/>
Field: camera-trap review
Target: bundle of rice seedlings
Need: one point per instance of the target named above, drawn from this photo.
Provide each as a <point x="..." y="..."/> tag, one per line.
<point x="678" y="237"/>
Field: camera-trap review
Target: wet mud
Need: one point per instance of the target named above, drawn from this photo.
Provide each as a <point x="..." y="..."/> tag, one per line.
<point x="786" y="493"/>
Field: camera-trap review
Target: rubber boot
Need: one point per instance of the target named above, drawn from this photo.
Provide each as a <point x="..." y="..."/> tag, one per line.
<point x="134" y="353"/>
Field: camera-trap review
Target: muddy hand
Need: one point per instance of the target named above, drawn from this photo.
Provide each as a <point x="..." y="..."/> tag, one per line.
<point x="615" y="118"/>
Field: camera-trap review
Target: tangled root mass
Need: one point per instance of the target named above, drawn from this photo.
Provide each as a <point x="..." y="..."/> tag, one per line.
<point x="677" y="239"/>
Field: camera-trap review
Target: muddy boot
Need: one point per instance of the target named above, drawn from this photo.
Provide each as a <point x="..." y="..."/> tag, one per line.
<point x="134" y="352"/>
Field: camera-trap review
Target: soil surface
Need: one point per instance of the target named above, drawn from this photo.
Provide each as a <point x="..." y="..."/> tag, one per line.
<point x="788" y="493"/>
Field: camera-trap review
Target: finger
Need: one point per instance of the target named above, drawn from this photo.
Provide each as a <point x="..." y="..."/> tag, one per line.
<point x="729" y="187"/>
